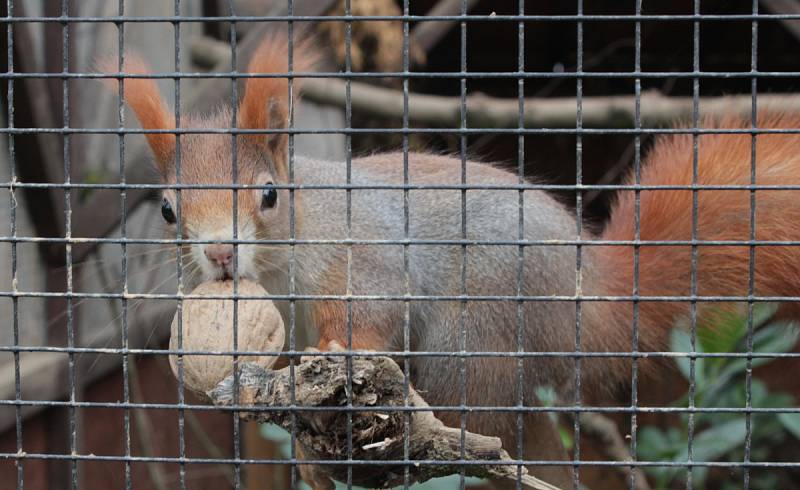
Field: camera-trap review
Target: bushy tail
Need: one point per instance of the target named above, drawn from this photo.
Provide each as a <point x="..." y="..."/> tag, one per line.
<point x="722" y="215"/>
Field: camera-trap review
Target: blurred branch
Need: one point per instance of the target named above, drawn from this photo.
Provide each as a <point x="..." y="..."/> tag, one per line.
<point x="556" y="112"/>
<point x="426" y="35"/>
<point x="144" y="428"/>
<point x="605" y="432"/>
<point x="787" y="7"/>
<point x="206" y="443"/>
<point x="616" y="111"/>
<point x="611" y="174"/>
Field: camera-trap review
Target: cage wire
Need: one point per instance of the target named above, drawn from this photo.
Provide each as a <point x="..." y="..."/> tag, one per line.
<point x="71" y="237"/>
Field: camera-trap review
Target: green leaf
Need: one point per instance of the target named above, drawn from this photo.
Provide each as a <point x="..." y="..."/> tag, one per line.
<point x="776" y="338"/>
<point x="730" y="327"/>
<point x="724" y="334"/>
<point x="546" y="395"/>
<point x="567" y="437"/>
<point x="654" y="445"/>
<point x="681" y="341"/>
<point x="790" y="422"/>
<point x="717" y="441"/>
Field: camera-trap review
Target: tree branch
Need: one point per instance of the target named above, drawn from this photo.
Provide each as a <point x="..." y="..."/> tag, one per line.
<point x="785" y="7"/>
<point x="322" y="381"/>
<point x="605" y="432"/>
<point x="426" y="35"/>
<point x="483" y="111"/>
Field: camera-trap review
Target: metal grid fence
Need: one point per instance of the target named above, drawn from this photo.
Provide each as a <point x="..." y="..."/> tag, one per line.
<point x="68" y="241"/>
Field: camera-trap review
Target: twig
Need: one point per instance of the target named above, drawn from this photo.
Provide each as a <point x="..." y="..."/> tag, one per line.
<point x="491" y="112"/>
<point x="426" y="35"/>
<point x="791" y="7"/>
<point x="144" y="428"/>
<point x="605" y="432"/>
<point x="206" y="443"/>
<point x="322" y="381"/>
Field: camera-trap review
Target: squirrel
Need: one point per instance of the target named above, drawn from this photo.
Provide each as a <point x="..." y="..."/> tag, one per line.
<point x="495" y="319"/>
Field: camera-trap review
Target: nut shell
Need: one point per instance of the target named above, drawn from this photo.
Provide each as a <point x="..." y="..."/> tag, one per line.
<point x="208" y="326"/>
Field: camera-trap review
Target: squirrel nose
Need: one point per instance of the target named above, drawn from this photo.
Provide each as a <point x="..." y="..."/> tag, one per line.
<point x="220" y="254"/>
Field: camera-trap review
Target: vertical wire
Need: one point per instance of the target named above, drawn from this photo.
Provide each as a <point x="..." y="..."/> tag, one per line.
<point x="12" y="157"/>
<point x="348" y="37"/>
<point x="292" y="266"/>
<point x="521" y="249"/>
<point x="65" y="123"/>
<point x="292" y="311"/>
<point x="123" y="198"/>
<point x="406" y="259"/>
<point x="578" y="249"/>
<point x="694" y="249"/>
<point x="237" y="469"/>
<point x="462" y="334"/>
<point x="637" y="169"/>
<point x="179" y="256"/>
<point x="748" y="391"/>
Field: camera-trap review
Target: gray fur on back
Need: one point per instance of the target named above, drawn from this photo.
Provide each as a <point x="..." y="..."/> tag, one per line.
<point x="436" y="270"/>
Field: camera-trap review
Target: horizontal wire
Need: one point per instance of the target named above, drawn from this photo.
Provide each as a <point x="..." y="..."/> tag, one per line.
<point x="638" y="409"/>
<point x="399" y="187"/>
<point x="410" y="241"/>
<point x="423" y="130"/>
<point x="403" y="75"/>
<point x="393" y="462"/>
<point x="400" y="17"/>
<point x="410" y="297"/>
<point x="401" y="353"/>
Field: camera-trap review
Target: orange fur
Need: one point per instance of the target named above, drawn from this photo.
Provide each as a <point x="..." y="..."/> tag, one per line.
<point x="722" y="215"/>
<point x="143" y="96"/>
<point x="266" y="103"/>
<point x="371" y="328"/>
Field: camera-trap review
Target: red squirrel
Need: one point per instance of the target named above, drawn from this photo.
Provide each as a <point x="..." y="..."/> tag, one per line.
<point x="491" y="270"/>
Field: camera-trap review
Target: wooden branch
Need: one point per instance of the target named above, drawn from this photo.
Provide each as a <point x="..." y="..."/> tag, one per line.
<point x="605" y="432"/>
<point x="426" y="35"/>
<point x="491" y="112"/>
<point x="556" y="112"/>
<point x="322" y="381"/>
<point x="785" y="7"/>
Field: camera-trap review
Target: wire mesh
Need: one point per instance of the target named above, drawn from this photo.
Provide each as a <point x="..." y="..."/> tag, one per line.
<point x="63" y="289"/>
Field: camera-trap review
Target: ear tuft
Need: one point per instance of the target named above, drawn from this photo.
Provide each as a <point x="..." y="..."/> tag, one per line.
<point x="143" y="96"/>
<point x="266" y="102"/>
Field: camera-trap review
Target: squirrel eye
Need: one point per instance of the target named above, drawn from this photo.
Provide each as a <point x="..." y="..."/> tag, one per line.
<point x="269" y="197"/>
<point x="166" y="212"/>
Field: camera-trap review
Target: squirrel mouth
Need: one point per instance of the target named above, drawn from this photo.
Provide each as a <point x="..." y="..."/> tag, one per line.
<point x="226" y="273"/>
<point x="223" y="273"/>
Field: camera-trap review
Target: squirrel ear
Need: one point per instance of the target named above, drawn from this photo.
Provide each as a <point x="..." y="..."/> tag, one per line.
<point x="143" y="96"/>
<point x="266" y="102"/>
<point x="278" y="143"/>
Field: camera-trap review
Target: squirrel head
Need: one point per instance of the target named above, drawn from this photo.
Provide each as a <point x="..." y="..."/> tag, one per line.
<point x="254" y="162"/>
